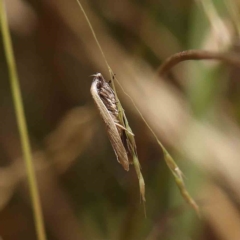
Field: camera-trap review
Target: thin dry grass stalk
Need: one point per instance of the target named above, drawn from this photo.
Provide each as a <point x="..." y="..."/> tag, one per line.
<point x="129" y="138"/>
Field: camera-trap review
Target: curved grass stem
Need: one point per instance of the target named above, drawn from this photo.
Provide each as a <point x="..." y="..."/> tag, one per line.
<point x="196" y="54"/>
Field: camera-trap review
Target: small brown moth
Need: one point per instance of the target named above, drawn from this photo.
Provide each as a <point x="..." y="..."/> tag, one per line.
<point x="118" y="129"/>
<point x="106" y="102"/>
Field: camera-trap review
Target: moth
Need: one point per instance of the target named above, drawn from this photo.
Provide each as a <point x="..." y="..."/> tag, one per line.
<point x="106" y="101"/>
<point x="118" y="129"/>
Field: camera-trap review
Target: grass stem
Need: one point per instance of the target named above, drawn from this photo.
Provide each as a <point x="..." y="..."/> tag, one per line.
<point x="21" y="121"/>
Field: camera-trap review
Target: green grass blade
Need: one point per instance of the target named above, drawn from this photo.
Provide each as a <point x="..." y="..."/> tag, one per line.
<point x="22" y="126"/>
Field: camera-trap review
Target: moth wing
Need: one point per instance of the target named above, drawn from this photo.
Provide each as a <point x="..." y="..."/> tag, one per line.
<point x="112" y="131"/>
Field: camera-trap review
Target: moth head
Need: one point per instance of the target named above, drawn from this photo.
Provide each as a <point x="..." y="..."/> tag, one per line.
<point x="97" y="75"/>
<point x="99" y="78"/>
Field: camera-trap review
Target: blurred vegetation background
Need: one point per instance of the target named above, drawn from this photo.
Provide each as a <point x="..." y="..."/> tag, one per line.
<point x="194" y="110"/>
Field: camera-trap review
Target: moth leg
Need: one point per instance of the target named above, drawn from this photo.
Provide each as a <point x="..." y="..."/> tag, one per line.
<point x="119" y="125"/>
<point x="113" y="77"/>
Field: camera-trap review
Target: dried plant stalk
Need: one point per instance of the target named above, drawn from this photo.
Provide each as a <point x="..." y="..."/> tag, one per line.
<point x="178" y="176"/>
<point x="196" y="54"/>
